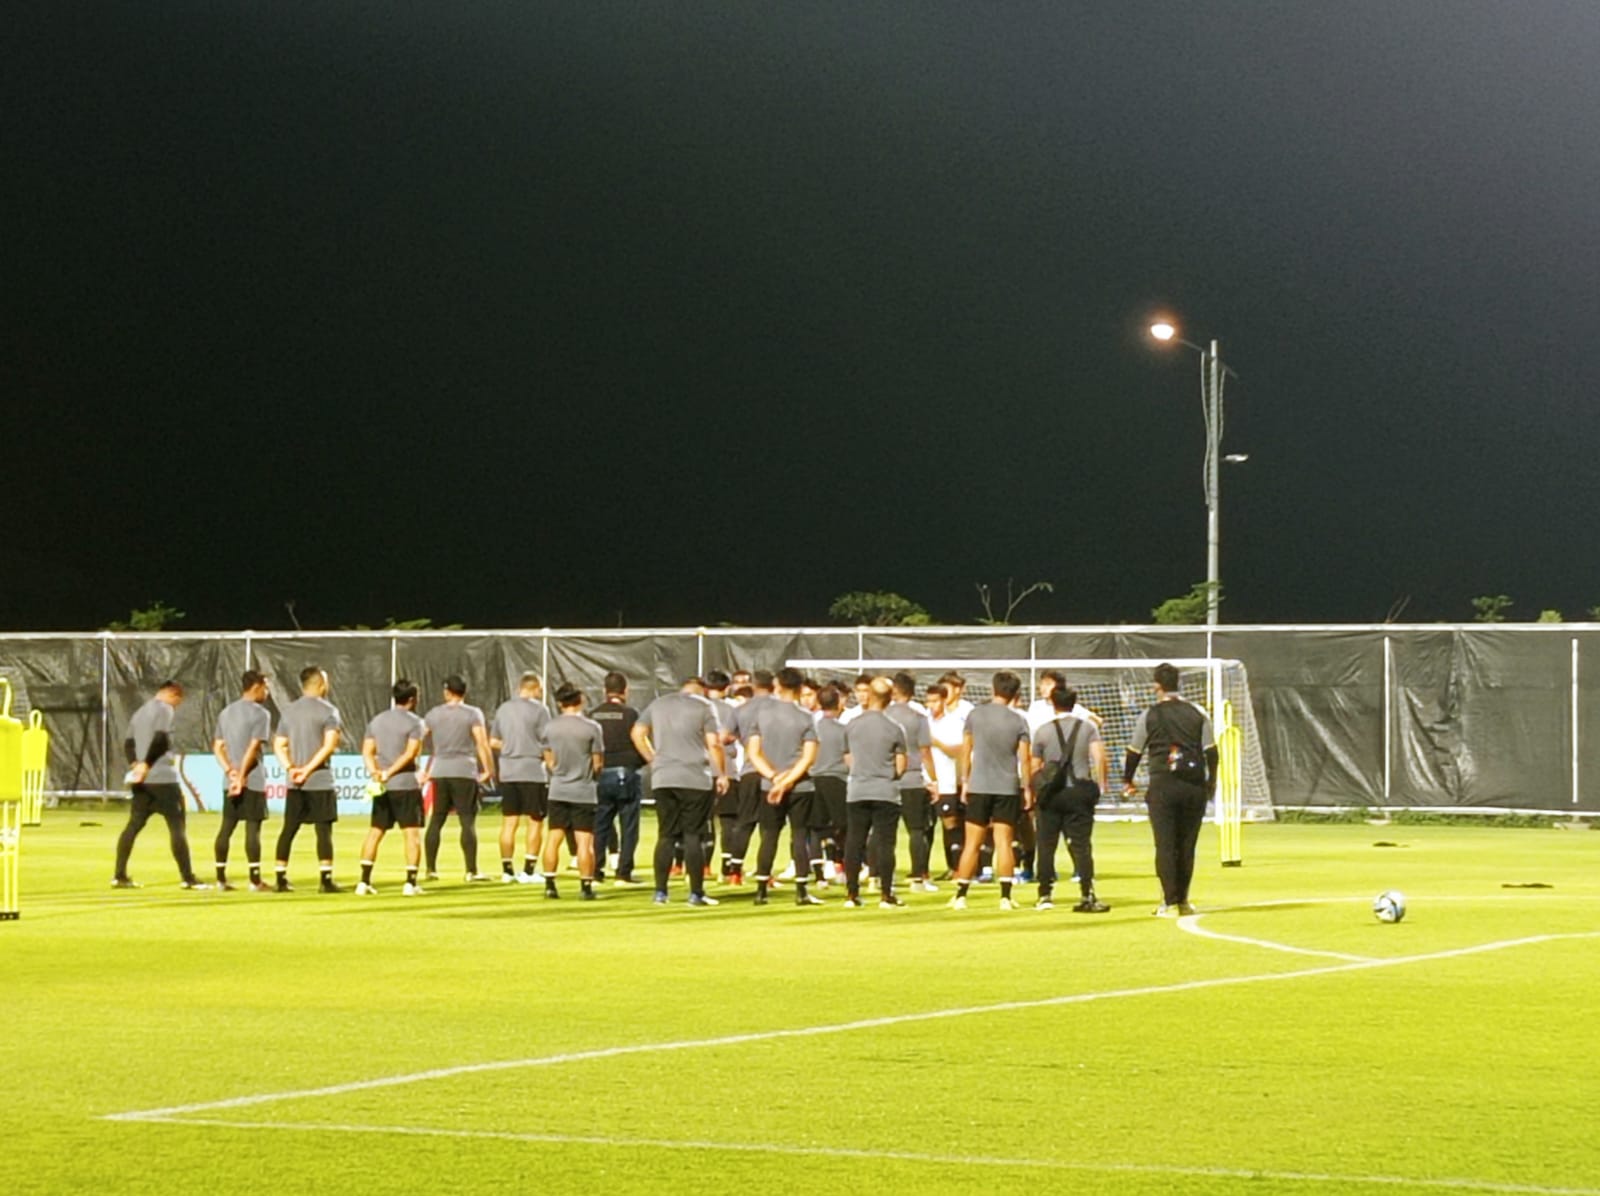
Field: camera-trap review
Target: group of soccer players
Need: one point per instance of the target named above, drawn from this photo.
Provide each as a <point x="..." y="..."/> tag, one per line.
<point x="758" y="754"/>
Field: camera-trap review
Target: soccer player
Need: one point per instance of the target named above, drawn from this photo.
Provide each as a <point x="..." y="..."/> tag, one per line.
<point x="725" y="810"/>
<point x="747" y="805"/>
<point x="830" y="775"/>
<point x="993" y="791"/>
<point x="619" y="791"/>
<point x="947" y="732"/>
<point x="783" y="747"/>
<point x="1041" y="710"/>
<point x="390" y="748"/>
<point x="1075" y="744"/>
<point x="575" y="753"/>
<point x="955" y="685"/>
<point x="154" y="780"/>
<point x="459" y="762"/>
<point x="862" y="685"/>
<point x="244" y="728"/>
<point x="875" y="753"/>
<point x="677" y="736"/>
<point x="919" y="792"/>
<point x="308" y="733"/>
<point x="1179" y="737"/>
<point x="517" y="733"/>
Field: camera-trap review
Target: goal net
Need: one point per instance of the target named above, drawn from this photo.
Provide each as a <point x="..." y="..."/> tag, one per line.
<point x="1117" y="691"/>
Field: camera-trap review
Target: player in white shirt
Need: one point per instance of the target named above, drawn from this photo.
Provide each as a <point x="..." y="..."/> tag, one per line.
<point x="948" y="732"/>
<point x="1042" y="710"/>
<point x="863" y="686"/>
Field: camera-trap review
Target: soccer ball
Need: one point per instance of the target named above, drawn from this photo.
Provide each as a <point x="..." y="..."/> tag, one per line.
<point x="1389" y="906"/>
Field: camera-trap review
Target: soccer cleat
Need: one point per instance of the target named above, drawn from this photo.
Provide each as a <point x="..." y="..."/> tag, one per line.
<point x="551" y="893"/>
<point x="808" y="899"/>
<point x="123" y="882"/>
<point x="508" y="878"/>
<point x="1025" y="876"/>
<point x="924" y="886"/>
<point x="677" y="871"/>
<point x="328" y="886"/>
<point x="761" y="897"/>
<point x="736" y="878"/>
<point x="1044" y="902"/>
<point x="528" y="878"/>
<point x="587" y="895"/>
<point x="260" y="886"/>
<point x="1089" y="905"/>
<point x="872" y="884"/>
<point x="627" y="882"/>
<point x="958" y="902"/>
<point x="660" y="898"/>
<point x="431" y="875"/>
<point x="985" y="875"/>
<point x="947" y="874"/>
<point x="891" y="901"/>
<point x="787" y="873"/>
<point x="412" y="889"/>
<point x="363" y="889"/>
<point x="284" y="886"/>
<point x="196" y="885"/>
<point x="477" y="878"/>
<point x="1164" y="911"/>
<point x="700" y="899"/>
<point x="854" y="903"/>
<point x="1007" y="904"/>
<point x="224" y="886"/>
<point x="1185" y="910"/>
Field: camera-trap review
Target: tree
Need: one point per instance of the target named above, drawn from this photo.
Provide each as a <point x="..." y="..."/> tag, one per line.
<point x="1490" y="608"/>
<point x="1013" y="601"/>
<point x="879" y="608"/>
<point x="158" y="616"/>
<point x="1549" y="616"/>
<point x="1188" y="608"/>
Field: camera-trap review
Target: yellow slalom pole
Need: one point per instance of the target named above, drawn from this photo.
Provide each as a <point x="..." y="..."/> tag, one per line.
<point x="10" y="808"/>
<point x="35" y="764"/>
<point x="1230" y="793"/>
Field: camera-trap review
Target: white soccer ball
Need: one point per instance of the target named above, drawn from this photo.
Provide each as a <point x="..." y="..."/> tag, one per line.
<point x="1389" y="906"/>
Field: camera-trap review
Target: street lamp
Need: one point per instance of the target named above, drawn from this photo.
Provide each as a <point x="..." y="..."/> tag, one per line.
<point x="1212" y="374"/>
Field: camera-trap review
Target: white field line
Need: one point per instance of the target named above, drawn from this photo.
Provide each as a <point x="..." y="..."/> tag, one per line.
<point x="903" y="1156"/>
<point x="872" y="1023"/>
<point x="1191" y="925"/>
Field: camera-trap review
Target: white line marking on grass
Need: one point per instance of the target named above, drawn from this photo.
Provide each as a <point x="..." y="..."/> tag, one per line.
<point x="1191" y="925"/>
<point x="899" y="1156"/>
<point x="870" y="1023"/>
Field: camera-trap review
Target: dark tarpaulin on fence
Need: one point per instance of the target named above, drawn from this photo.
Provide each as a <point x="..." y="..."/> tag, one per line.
<point x="62" y="680"/>
<point x="653" y="664"/>
<point x="358" y="676"/>
<point x="208" y="669"/>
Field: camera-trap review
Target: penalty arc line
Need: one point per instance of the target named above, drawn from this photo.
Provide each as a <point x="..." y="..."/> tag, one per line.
<point x="1501" y="1187"/>
<point x="173" y="1112"/>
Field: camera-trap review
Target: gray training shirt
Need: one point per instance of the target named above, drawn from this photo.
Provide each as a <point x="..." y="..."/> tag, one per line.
<point x="784" y="730"/>
<point x="996" y="730"/>
<point x="303" y="722"/>
<point x="830" y="749"/>
<point x="454" y="753"/>
<point x="392" y="732"/>
<point x="239" y="723"/>
<point x="745" y="723"/>
<point x="678" y="725"/>
<point x="519" y="726"/>
<point x="918" y="736"/>
<point x="574" y="740"/>
<point x="872" y="741"/>
<point x="154" y="717"/>
<point x="1047" y="745"/>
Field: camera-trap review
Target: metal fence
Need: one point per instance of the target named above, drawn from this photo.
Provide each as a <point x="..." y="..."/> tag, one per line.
<point x="1488" y="716"/>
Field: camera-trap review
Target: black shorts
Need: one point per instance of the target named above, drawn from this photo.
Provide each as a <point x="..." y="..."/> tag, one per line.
<point x="681" y="812"/>
<point x="519" y="798"/>
<point x="949" y="806"/>
<point x="986" y="809"/>
<point x="249" y="806"/>
<point x="748" y="798"/>
<point x="398" y="807"/>
<point x="455" y="793"/>
<point x="827" y="808"/>
<point x="916" y="809"/>
<point x="166" y="800"/>
<point x="571" y="816"/>
<point x="311" y="805"/>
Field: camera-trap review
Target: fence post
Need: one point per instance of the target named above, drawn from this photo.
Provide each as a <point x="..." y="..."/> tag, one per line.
<point x="105" y="711"/>
<point x="1388" y="716"/>
<point x="1574" y="720"/>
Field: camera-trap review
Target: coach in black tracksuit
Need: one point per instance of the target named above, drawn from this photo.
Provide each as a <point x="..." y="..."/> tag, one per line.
<point x="1178" y="736"/>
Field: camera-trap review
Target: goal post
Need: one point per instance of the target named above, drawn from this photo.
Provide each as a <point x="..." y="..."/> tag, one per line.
<point x="1118" y="690"/>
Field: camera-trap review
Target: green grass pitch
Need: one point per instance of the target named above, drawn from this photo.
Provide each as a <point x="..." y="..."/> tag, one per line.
<point x="1284" y="1041"/>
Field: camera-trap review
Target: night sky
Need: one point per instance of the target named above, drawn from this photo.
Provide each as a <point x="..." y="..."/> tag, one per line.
<point x="527" y="314"/>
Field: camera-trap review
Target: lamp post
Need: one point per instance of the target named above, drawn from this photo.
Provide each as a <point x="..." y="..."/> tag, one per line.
<point x="1212" y="374"/>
